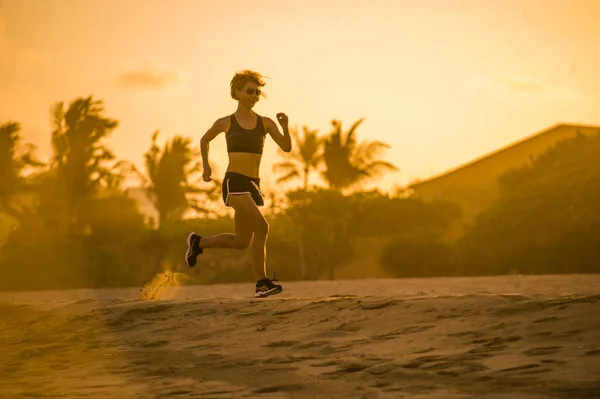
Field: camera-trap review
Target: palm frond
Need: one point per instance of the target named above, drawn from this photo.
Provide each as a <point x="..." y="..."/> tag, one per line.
<point x="284" y="166"/>
<point x="377" y="168"/>
<point x="293" y="174"/>
<point x="57" y="115"/>
<point x="351" y="135"/>
<point x="349" y="162"/>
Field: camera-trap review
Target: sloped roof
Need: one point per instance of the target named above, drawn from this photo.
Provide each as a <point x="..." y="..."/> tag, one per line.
<point x="501" y="150"/>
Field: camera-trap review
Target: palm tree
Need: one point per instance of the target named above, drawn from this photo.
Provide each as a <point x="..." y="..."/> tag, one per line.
<point x="80" y="158"/>
<point x="13" y="161"/>
<point x="303" y="159"/>
<point x="169" y="172"/>
<point x="10" y="173"/>
<point x="81" y="161"/>
<point x="348" y="162"/>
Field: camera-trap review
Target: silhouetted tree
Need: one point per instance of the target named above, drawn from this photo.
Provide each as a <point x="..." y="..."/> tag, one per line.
<point x="13" y="160"/>
<point x="114" y="238"/>
<point x="350" y="162"/>
<point x="109" y="250"/>
<point x="169" y="173"/>
<point x="305" y="157"/>
<point x="324" y="224"/>
<point x="546" y="219"/>
<point x="81" y="160"/>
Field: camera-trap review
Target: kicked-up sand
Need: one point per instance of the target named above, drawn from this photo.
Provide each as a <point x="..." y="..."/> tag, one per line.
<point x="516" y="337"/>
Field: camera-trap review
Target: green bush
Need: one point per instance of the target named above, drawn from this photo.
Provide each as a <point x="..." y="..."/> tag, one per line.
<point x="417" y="257"/>
<point x="547" y="218"/>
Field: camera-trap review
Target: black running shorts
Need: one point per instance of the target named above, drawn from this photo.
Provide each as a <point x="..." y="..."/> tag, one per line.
<point x="235" y="183"/>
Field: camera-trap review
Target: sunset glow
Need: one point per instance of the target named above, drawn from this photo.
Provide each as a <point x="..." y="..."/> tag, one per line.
<point x="442" y="82"/>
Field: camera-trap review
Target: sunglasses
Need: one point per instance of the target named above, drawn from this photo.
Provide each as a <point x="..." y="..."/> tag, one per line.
<point x="252" y="91"/>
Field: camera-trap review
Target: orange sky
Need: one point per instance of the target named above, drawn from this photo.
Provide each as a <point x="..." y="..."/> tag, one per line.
<point x="441" y="81"/>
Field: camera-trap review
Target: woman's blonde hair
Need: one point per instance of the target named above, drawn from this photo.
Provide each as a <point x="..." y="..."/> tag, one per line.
<point x="241" y="78"/>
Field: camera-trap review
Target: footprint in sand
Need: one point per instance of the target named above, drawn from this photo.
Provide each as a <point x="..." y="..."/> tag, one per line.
<point x="348" y="368"/>
<point x="427" y="350"/>
<point x="341" y="366"/>
<point x="328" y="363"/>
<point x="148" y="309"/>
<point x="505" y="325"/>
<point x="466" y="334"/>
<point x="286" y="359"/>
<point x="438" y="365"/>
<point x="152" y="344"/>
<point x="545" y="319"/>
<point x="376" y="304"/>
<point x="495" y="344"/>
<point x="331" y="334"/>
<point x="520" y="368"/>
<point x="382" y="369"/>
<point x="286" y="311"/>
<point x="210" y="357"/>
<point x="542" y="350"/>
<point x="331" y="349"/>
<point x="448" y="316"/>
<point x="451" y="366"/>
<point x="279" y="388"/>
<point x="402" y="331"/>
<point x="569" y="333"/>
<point x="127" y="318"/>
<point x="495" y="341"/>
<point x="552" y="361"/>
<point x="349" y="327"/>
<point x="421" y="361"/>
<point x="278" y="344"/>
<point x="531" y="368"/>
<point x="312" y="344"/>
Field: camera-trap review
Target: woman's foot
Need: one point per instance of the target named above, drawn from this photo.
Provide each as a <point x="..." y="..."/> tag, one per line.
<point x="193" y="249"/>
<point x="265" y="287"/>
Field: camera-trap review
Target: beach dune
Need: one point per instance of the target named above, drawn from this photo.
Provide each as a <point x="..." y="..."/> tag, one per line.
<point x="486" y="337"/>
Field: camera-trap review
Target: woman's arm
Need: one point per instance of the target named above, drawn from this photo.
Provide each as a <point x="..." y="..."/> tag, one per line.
<point x="218" y="127"/>
<point x="284" y="141"/>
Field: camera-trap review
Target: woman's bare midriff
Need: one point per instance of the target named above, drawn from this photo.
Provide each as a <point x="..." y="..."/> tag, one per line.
<point x="244" y="163"/>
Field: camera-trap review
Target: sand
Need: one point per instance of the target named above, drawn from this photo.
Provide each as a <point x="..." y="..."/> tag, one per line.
<point x="491" y="337"/>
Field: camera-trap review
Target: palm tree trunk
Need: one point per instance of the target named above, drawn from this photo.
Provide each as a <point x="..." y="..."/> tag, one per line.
<point x="338" y="235"/>
<point x="302" y="257"/>
<point x="306" y="171"/>
<point x="160" y="251"/>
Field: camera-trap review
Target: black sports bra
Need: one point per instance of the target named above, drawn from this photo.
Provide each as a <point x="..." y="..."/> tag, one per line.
<point x="244" y="140"/>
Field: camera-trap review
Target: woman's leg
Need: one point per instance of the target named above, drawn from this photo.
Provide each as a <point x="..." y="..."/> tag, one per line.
<point x="241" y="239"/>
<point x="242" y="236"/>
<point x="256" y="222"/>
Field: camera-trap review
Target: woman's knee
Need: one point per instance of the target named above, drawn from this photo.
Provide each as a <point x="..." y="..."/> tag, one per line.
<point x="241" y="243"/>
<point x="262" y="226"/>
